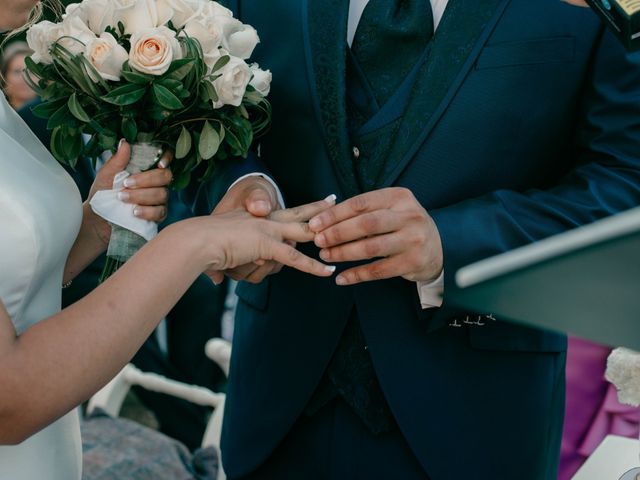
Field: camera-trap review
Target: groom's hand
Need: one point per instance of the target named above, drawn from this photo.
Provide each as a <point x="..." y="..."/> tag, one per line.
<point x="258" y="197"/>
<point x="389" y="225"/>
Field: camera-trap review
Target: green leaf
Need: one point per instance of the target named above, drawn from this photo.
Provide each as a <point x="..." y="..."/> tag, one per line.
<point x="125" y="95"/>
<point x="34" y="67"/>
<point x="183" y="146"/>
<point x="76" y="109"/>
<point x="129" y="129"/>
<point x="66" y="144"/>
<point x="210" y="92"/>
<point x="90" y="73"/>
<point x="209" y="172"/>
<point x="222" y="61"/>
<point x="137" y="78"/>
<point x="166" y="98"/>
<point x="171" y="84"/>
<point x="181" y="181"/>
<point x="73" y="147"/>
<point x="96" y="126"/>
<point x="62" y="116"/>
<point x="46" y="109"/>
<point x="74" y="66"/>
<point x="33" y="85"/>
<point x="157" y="112"/>
<point x="107" y="140"/>
<point x="234" y="143"/>
<point x="179" y="68"/>
<point x="57" y="145"/>
<point x="209" y="141"/>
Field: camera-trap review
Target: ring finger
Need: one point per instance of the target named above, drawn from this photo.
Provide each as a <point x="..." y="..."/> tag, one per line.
<point x="153" y="214"/>
<point x="158" y="177"/>
<point x="242" y="272"/>
<point x="269" y="268"/>
<point x="147" y="196"/>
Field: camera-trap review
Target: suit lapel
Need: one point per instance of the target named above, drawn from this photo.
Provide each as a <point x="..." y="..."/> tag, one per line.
<point x="463" y="31"/>
<point x="325" y="33"/>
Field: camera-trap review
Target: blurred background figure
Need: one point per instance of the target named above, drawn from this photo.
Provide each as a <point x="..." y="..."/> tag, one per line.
<point x="15" y="88"/>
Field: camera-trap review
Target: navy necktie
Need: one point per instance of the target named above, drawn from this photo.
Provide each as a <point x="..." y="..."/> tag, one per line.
<point x="391" y="37"/>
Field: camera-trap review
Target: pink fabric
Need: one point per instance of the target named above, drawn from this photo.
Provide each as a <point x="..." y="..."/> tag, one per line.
<point x="592" y="407"/>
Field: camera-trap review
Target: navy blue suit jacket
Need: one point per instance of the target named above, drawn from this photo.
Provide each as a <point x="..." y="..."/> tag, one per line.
<point x="525" y="122"/>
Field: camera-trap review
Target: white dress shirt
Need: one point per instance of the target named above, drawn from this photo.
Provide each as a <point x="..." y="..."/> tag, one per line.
<point x="430" y="293"/>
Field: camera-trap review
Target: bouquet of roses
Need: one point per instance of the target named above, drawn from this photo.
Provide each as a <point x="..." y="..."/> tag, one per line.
<point x="163" y="74"/>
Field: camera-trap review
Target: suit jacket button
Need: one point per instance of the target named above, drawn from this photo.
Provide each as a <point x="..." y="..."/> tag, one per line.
<point x="356" y="152"/>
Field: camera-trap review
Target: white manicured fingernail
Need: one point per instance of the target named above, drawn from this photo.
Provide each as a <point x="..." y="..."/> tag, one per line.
<point x="137" y="211"/>
<point x="163" y="163"/>
<point x="330" y="268"/>
<point x="331" y="199"/>
<point x="122" y="140"/>
<point x="340" y="280"/>
<point x="123" y="196"/>
<point x="129" y="182"/>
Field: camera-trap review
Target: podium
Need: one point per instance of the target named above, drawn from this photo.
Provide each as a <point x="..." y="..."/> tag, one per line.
<point x="585" y="282"/>
<point x="615" y="458"/>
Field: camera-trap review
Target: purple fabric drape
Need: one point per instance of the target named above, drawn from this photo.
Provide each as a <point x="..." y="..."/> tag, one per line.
<point x="592" y="407"/>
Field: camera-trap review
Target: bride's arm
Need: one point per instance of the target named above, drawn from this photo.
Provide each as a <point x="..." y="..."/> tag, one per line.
<point x="61" y="361"/>
<point x="149" y="194"/>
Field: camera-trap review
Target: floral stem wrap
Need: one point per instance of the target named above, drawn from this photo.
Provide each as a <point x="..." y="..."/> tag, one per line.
<point x="124" y="243"/>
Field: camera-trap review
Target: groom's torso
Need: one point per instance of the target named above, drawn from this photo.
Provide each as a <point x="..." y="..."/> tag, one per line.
<point x="491" y="108"/>
<point x="496" y="69"/>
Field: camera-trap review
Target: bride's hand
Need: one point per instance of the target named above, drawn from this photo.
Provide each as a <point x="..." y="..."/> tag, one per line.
<point x="240" y="238"/>
<point x="147" y="190"/>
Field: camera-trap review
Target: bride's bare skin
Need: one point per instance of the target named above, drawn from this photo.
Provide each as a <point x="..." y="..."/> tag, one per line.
<point x="60" y="362"/>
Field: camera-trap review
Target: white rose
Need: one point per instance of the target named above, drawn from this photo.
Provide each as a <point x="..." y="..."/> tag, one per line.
<point x="208" y="34"/>
<point x="239" y="39"/>
<point x="76" y="34"/>
<point x="136" y="15"/>
<point x="232" y="84"/>
<point x="107" y="56"/>
<point x="261" y="80"/>
<point x="98" y="15"/>
<point x="203" y="11"/>
<point x="183" y="10"/>
<point x="214" y="9"/>
<point x="71" y="9"/>
<point x="153" y="50"/>
<point x="165" y="11"/>
<point x="211" y="58"/>
<point x="40" y="37"/>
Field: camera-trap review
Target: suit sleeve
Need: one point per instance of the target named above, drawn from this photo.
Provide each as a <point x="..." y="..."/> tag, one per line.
<point x="605" y="181"/>
<point x="202" y="197"/>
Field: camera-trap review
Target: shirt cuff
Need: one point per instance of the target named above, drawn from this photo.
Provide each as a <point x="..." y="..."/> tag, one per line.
<point x="430" y="293"/>
<point x="268" y="179"/>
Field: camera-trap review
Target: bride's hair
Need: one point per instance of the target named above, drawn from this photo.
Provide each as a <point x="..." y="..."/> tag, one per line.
<point x="55" y="6"/>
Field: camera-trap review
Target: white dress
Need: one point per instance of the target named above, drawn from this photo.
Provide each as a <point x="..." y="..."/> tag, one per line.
<point x="40" y="215"/>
